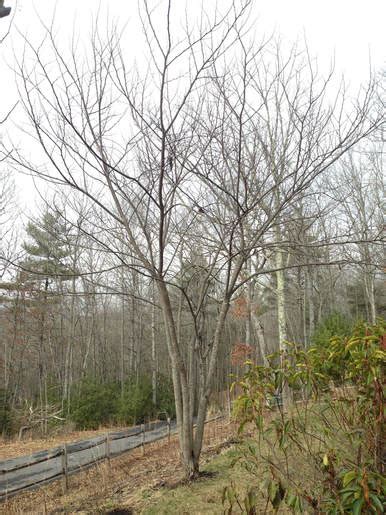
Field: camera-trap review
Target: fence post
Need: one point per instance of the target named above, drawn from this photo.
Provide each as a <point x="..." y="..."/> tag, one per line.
<point x="168" y="422"/>
<point x="108" y="448"/>
<point x="65" y="466"/>
<point x="143" y="438"/>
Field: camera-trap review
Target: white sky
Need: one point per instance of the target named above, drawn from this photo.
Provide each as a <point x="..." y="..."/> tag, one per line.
<point x="352" y="29"/>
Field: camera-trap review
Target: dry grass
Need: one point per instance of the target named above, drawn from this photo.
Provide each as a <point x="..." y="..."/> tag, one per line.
<point x="13" y="448"/>
<point x="103" y="487"/>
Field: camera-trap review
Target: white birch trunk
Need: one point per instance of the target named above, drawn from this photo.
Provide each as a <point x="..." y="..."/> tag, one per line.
<point x="281" y="317"/>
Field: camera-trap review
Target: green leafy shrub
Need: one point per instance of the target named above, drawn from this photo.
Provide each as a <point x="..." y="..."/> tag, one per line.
<point x="165" y="397"/>
<point x="94" y="404"/>
<point x="325" y="454"/>
<point x="5" y="413"/>
<point x="334" y="325"/>
<point x="135" y="404"/>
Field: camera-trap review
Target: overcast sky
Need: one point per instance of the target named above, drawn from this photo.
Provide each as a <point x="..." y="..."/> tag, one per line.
<point x="353" y="30"/>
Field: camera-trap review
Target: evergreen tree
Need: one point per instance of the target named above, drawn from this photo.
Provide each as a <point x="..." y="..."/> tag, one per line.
<point x="32" y="302"/>
<point x="48" y="249"/>
<point x="46" y="267"/>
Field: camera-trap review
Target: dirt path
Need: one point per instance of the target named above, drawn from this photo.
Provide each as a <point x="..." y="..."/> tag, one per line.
<point x="103" y="489"/>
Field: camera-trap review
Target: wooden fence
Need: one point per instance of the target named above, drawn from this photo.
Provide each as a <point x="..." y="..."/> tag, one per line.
<point x="29" y="472"/>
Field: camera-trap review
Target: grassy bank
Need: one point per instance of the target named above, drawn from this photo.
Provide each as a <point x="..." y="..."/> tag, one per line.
<point x="204" y="496"/>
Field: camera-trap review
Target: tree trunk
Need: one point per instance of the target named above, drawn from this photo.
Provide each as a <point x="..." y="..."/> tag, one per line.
<point x="42" y="374"/>
<point x="311" y="307"/>
<point x="206" y="384"/>
<point x="262" y="344"/>
<point x="122" y="340"/>
<point x="180" y="386"/>
<point x="370" y="294"/>
<point x="282" y="321"/>
<point x="153" y="353"/>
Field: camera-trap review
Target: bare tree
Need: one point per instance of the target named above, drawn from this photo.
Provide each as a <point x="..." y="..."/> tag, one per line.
<point x="359" y="186"/>
<point x="197" y="161"/>
<point x="8" y="213"/>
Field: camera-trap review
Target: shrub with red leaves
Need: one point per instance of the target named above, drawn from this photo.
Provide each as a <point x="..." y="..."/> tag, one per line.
<point x="240" y="353"/>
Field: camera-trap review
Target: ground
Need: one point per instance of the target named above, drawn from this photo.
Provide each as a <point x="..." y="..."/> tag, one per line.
<point x="149" y="483"/>
<point x="204" y="496"/>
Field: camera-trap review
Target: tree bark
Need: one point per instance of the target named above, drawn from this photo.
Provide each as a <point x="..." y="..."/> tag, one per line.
<point x="282" y="320"/>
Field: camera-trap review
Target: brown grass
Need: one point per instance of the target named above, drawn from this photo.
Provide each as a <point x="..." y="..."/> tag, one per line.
<point x="104" y="487"/>
<point x="14" y="448"/>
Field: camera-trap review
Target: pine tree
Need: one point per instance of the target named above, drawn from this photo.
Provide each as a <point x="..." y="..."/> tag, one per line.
<point x="49" y="248"/>
<point x="35" y="295"/>
<point x="46" y="267"/>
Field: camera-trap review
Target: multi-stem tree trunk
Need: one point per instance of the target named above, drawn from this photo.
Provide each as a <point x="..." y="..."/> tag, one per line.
<point x="191" y="444"/>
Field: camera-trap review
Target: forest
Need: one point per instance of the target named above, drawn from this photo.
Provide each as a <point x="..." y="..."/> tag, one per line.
<point x="209" y="217"/>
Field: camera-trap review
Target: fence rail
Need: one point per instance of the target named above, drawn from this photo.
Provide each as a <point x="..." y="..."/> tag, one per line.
<point x="29" y="472"/>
